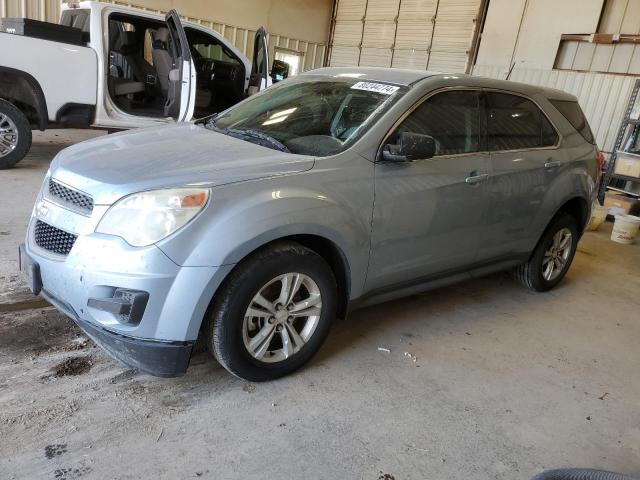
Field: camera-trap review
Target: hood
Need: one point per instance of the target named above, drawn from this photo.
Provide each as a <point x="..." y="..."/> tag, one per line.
<point x="112" y="166"/>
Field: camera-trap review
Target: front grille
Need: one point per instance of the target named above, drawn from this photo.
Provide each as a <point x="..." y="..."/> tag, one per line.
<point x="80" y="200"/>
<point x="53" y="239"/>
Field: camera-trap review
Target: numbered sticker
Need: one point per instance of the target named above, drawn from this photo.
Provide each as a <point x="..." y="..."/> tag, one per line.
<point x="376" y="87"/>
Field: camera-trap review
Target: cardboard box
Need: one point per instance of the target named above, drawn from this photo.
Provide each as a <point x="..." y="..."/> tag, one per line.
<point x="627" y="164"/>
<point x="618" y="203"/>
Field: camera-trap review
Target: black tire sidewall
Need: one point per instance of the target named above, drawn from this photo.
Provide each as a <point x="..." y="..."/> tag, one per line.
<point x="226" y="340"/>
<point x="24" y="135"/>
<point x="538" y="281"/>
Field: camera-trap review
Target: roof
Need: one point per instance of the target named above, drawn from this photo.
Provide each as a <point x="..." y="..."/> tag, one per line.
<point x="397" y="76"/>
<point x="400" y="76"/>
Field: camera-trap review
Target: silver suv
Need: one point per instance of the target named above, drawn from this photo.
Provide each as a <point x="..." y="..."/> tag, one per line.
<point x="339" y="188"/>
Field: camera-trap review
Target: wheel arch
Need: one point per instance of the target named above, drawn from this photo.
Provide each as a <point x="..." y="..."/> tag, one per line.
<point x="323" y="246"/>
<point x="578" y="208"/>
<point x="23" y="90"/>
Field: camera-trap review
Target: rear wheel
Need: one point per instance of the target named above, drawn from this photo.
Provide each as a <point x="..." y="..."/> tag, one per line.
<point x="553" y="255"/>
<point x="272" y="313"/>
<point x="15" y="135"/>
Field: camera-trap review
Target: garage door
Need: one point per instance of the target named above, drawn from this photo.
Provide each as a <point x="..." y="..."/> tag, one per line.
<point x="422" y="34"/>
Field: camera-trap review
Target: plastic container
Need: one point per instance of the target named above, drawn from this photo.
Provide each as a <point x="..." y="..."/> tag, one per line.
<point x="625" y="228"/>
<point x="598" y="215"/>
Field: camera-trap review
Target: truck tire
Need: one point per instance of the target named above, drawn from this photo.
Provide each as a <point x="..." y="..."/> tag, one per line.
<point x="552" y="257"/>
<point x="15" y="135"/>
<point x="272" y="313"/>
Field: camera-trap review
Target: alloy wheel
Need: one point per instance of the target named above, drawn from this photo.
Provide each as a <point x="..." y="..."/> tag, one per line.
<point x="282" y="317"/>
<point x="557" y="254"/>
<point x="8" y="135"/>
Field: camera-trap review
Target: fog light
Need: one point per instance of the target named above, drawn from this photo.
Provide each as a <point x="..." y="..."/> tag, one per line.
<point x="127" y="305"/>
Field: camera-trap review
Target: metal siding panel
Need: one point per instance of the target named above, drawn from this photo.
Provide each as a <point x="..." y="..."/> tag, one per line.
<point x="344" y="56"/>
<point x="347" y="33"/>
<point x="634" y="66"/>
<point x="453" y="34"/>
<point x="414" y="34"/>
<point x="382" y="10"/>
<point x="621" y="58"/>
<point x="418" y="10"/>
<point x="413" y="59"/>
<point x="631" y="20"/>
<point x="602" y="57"/>
<point x="375" y="57"/>
<point x="584" y="56"/>
<point x="351" y="9"/>
<point x="566" y="55"/>
<point x="379" y="34"/>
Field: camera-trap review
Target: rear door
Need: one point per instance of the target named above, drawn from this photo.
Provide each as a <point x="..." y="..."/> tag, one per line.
<point x="524" y="160"/>
<point x="259" y="79"/>
<point x="181" y="95"/>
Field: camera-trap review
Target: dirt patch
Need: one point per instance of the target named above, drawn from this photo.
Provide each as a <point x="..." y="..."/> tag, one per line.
<point x="73" y="366"/>
<point x="34" y="332"/>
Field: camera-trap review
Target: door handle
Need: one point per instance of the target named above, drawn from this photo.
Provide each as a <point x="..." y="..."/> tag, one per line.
<point x="476" y="178"/>
<point x="552" y="164"/>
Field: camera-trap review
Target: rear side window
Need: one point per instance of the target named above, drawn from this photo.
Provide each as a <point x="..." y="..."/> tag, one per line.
<point x="516" y="123"/>
<point x="573" y="113"/>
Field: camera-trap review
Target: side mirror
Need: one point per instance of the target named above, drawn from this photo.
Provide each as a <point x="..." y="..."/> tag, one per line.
<point x="410" y="147"/>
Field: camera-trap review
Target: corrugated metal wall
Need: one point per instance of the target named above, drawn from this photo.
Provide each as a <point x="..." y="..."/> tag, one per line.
<point x="49" y="10"/>
<point x="603" y="97"/>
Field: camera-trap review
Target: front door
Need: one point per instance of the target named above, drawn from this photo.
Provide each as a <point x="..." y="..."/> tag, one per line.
<point x="181" y="95"/>
<point x="427" y="213"/>
<point x="259" y="78"/>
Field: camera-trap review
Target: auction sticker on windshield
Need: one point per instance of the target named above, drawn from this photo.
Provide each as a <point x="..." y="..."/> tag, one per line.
<point x="376" y="87"/>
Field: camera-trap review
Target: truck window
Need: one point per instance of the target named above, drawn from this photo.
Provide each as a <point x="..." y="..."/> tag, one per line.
<point x="77" y="18"/>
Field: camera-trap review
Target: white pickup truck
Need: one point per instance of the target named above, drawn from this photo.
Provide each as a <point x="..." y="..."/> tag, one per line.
<point x="113" y="67"/>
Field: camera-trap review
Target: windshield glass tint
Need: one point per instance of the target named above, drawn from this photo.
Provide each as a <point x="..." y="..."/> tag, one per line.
<point x="310" y="115"/>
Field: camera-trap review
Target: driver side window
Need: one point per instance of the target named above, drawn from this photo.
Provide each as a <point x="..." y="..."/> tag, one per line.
<point x="451" y="118"/>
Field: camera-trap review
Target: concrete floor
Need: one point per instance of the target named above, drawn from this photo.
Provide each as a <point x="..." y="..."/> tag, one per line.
<point x="505" y="383"/>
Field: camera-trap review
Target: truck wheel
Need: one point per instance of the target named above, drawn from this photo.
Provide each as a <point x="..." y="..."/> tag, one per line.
<point x="272" y="313"/>
<point x="15" y="135"/>
<point x="552" y="256"/>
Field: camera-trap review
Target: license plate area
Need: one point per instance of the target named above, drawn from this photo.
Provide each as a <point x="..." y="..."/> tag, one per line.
<point x="30" y="271"/>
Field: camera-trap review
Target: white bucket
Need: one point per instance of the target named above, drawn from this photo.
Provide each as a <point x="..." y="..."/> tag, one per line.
<point x="598" y="215"/>
<point x="625" y="228"/>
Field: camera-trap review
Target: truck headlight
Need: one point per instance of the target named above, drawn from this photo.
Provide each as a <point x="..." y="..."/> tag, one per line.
<point x="145" y="218"/>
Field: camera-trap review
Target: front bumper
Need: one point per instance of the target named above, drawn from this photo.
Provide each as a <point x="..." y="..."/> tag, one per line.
<point x="161" y="342"/>
<point x="161" y="359"/>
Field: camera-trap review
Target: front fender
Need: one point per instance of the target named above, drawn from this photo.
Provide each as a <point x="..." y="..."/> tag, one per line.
<point x="243" y="217"/>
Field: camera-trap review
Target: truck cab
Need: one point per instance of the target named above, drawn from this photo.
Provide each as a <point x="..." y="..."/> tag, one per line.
<point x="125" y="68"/>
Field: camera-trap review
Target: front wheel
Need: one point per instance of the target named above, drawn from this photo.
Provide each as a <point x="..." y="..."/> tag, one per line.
<point x="272" y="313"/>
<point x="15" y="135"/>
<point x="552" y="257"/>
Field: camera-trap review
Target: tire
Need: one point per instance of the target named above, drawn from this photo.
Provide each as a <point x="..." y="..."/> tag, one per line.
<point x="532" y="273"/>
<point x="12" y="119"/>
<point x="228" y="329"/>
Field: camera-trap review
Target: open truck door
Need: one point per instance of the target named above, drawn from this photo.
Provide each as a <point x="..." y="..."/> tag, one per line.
<point x="181" y="95"/>
<point x="259" y="79"/>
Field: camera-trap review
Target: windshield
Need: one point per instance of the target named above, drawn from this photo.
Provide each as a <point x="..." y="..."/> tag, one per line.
<point x="309" y="115"/>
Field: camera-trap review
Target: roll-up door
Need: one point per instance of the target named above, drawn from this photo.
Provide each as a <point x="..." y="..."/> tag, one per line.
<point x="419" y="34"/>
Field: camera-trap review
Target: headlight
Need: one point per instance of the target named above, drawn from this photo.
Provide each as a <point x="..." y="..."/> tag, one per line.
<point x="148" y="217"/>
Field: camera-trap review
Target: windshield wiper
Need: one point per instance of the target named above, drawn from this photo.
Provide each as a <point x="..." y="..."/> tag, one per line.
<point x="263" y="139"/>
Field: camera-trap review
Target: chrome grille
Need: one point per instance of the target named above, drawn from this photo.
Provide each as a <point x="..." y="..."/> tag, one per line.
<point x="53" y="239"/>
<point x="69" y="196"/>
